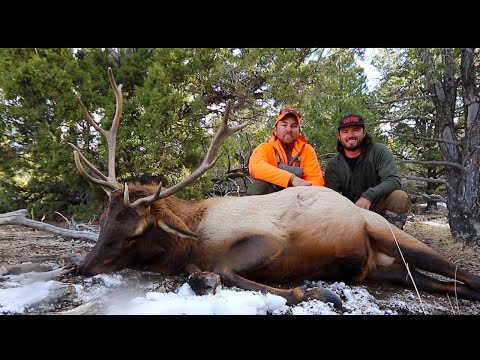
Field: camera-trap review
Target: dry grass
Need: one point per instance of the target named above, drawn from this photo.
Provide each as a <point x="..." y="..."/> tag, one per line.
<point x="434" y="231"/>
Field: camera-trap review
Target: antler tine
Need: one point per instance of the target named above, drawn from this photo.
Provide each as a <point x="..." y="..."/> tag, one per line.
<point x="222" y="134"/>
<point x="89" y="118"/>
<point x="119" y="101"/>
<point x="105" y="184"/>
<point x="126" y="197"/>
<point x="146" y="200"/>
<point x="88" y="163"/>
<point x="109" y="135"/>
<point x="210" y="158"/>
<point x="112" y="133"/>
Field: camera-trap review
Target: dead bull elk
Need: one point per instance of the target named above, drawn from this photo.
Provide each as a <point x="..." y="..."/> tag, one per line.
<point x="298" y="233"/>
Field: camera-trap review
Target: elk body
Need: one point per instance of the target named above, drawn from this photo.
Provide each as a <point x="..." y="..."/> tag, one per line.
<point x="298" y="233"/>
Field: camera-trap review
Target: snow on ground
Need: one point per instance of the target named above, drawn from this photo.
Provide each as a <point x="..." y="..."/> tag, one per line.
<point x="15" y="298"/>
<point x="116" y="294"/>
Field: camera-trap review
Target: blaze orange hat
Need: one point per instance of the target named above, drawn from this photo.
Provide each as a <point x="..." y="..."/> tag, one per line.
<point x="284" y="112"/>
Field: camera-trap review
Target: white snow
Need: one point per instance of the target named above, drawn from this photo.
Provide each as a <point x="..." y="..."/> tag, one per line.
<point x="118" y="295"/>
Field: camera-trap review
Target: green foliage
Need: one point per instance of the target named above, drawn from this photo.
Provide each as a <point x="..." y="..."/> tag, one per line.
<point x="403" y="93"/>
<point x="173" y="102"/>
<point x="338" y="88"/>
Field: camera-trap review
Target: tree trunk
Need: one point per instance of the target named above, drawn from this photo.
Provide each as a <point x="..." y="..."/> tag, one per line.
<point x="462" y="184"/>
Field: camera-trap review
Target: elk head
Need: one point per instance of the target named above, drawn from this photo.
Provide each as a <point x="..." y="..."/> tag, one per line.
<point x="127" y="228"/>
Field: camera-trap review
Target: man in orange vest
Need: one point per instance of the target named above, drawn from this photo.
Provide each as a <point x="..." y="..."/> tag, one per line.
<point x="286" y="159"/>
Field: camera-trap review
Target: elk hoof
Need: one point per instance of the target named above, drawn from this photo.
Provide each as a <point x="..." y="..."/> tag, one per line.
<point x="204" y="283"/>
<point x="324" y="295"/>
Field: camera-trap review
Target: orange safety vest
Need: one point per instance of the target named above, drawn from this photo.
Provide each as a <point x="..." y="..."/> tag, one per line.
<point x="265" y="158"/>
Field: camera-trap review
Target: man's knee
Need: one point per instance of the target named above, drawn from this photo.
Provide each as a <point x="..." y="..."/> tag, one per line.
<point x="398" y="202"/>
<point x="260" y="187"/>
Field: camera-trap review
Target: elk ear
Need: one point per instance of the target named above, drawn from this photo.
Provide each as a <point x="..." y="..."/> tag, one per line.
<point x="171" y="223"/>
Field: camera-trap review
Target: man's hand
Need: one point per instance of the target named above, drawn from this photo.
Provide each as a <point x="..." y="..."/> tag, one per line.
<point x="363" y="203"/>
<point x="296" y="181"/>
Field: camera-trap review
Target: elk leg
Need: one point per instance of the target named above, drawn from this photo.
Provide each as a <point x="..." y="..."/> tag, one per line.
<point x="420" y="256"/>
<point x="397" y="274"/>
<point x="293" y="296"/>
<point x="254" y="251"/>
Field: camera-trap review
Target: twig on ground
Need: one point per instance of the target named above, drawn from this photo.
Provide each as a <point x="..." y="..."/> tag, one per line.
<point x="407" y="267"/>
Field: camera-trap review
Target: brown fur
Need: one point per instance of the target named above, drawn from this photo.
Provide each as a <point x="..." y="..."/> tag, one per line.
<point x="298" y="233"/>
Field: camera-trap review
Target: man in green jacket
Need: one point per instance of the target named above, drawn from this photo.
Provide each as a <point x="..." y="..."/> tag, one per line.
<point x="365" y="171"/>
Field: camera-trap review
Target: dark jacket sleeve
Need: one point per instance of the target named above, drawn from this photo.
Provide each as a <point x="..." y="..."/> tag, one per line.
<point x="387" y="172"/>
<point x="332" y="177"/>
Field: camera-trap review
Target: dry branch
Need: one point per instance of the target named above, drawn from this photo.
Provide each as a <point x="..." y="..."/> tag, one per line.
<point x="439" y="163"/>
<point x="414" y="136"/>
<point x="431" y="197"/>
<point x="401" y="118"/>
<point x="428" y="180"/>
<point x="403" y="99"/>
<point x="18" y="218"/>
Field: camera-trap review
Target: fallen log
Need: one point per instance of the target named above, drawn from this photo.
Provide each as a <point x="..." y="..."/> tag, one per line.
<point x="85" y="309"/>
<point x="33" y="276"/>
<point x="18" y="218"/>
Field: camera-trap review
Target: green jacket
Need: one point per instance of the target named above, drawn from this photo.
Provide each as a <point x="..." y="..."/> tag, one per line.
<point x="374" y="175"/>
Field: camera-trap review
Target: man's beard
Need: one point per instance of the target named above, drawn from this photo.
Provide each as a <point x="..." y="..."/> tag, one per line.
<point x="353" y="147"/>
<point x="290" y="140"/>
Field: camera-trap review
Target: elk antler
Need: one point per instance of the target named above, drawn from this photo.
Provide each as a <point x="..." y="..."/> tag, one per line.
<point x="142" y="202"/>
<point x="109" y="183"/>
<point x="208" y="161"/>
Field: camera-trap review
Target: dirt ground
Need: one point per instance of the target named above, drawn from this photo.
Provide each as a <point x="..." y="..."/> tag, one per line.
<point x="20" y="244"/>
